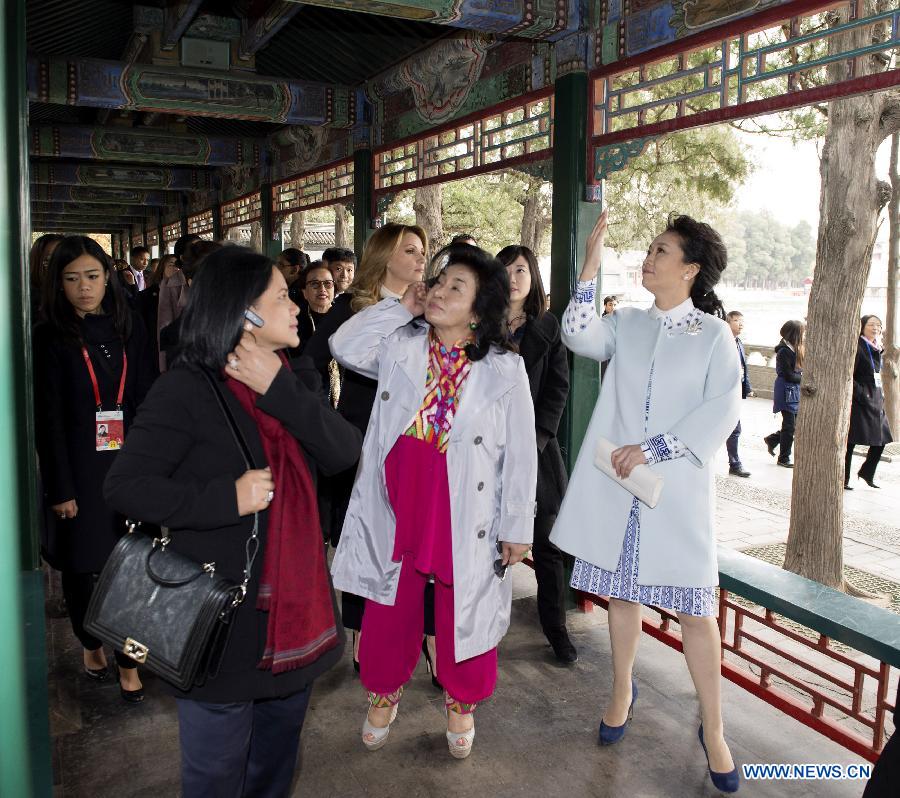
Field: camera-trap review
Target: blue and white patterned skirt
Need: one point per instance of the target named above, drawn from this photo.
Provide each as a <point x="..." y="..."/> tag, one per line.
<point x="622" y="584"/>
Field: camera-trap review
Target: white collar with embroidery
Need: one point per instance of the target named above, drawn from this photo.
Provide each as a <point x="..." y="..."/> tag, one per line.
<point x="386" y="293"/>
<point x="683" y="318"/>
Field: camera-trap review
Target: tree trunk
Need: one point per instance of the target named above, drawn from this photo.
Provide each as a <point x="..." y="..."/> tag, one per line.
<point x="530" y="221"/>
<point x="342" y="228"/>
<point x="256" y="239"/>
<point x="429" y="214"/>
<point x="849" y="204"/>
<point x="298" y="229"/>
<point x="890" y="370"/>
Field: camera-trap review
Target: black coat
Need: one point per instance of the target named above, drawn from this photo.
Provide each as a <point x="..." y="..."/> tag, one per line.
<point x="178" y="469"/>
<point x="547" y="365"/>
<point x="357" y="392"/>
<point x="71" y="467"/>
<point x="868" y="423"/>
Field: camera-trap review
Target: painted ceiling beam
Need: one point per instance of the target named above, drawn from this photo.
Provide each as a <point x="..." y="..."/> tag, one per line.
<point x="100" y="175"/>
<point x="256" y="32"/>
<point x="85" y="209"/>
<point x="96" y="83"/>
<point x="547" y="21"/>
<point x="142" y="145"/>
<point x="177" y="18"/>
<point x="100" y="196"/>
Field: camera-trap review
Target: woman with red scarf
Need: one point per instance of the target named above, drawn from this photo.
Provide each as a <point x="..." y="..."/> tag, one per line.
<point x="181" y="468"/>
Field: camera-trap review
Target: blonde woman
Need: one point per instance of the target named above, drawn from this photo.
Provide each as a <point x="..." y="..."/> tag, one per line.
<point x="394" y="257"/>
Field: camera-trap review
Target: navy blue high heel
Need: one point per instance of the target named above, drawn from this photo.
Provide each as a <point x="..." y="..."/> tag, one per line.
<point x="723" y="782"/>
<point x="612" y="734"/>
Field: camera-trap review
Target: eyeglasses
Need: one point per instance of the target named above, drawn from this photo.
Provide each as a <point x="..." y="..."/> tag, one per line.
<point x="317" y="284"/>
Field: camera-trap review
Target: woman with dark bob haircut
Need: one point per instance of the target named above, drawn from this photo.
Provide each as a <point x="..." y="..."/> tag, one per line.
<point x="453" y="408"/>
<point x="93" y="367"/>
<point x="182" y="469"/>
<point x="670" y="399"/>
<point x="537" y="335"/>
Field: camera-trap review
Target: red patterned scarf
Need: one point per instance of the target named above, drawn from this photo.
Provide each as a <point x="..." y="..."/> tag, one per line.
<point x="294" y="587"/>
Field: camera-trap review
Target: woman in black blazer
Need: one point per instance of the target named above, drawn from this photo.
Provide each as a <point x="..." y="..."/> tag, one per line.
<point x="89" y="338"/>
<point x="181" y="468"/>
<point x="868" y="422"/>
<point x="537" y="334"/>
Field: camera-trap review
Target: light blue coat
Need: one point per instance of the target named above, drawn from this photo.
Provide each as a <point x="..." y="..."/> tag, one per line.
<point x="696" y="396"/>
<point x="491" y="467"/>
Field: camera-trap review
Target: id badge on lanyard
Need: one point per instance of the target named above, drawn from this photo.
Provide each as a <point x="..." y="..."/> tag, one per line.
<point x="878" y="384"/>
<point x="109" y="425"/>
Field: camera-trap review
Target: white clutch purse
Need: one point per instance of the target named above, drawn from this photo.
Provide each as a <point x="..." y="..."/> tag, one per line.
<point x="643" y="482"/>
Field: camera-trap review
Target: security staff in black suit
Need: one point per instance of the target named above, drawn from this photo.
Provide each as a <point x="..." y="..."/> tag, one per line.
<point x="537" y="334"/>
<point x="735" y="320"/>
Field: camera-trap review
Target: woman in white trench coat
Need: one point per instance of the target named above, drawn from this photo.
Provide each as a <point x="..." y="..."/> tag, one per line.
<point x="445" y="487"/>
<point x="670" y="398"/>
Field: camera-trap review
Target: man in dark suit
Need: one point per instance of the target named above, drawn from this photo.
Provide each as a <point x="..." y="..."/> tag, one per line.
<point x="735" y="320"/>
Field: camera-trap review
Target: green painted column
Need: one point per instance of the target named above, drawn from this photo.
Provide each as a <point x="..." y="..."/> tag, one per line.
<point x="271" y="243"/>
<point x="363" y="198"/>
<point x="24" y="729"/>
<point x="573" y="219"/>
<point x="159" y="233"/>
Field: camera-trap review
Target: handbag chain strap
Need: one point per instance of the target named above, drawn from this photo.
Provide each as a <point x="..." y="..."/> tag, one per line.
<point x="251" y="547"/>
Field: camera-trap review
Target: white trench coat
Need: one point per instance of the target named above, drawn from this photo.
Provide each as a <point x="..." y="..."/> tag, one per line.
<point x="696" y="396"/>
<point x="491" y="467"/>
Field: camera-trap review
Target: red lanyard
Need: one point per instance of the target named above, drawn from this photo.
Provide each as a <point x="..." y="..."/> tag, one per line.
<point x="90" y="367"/>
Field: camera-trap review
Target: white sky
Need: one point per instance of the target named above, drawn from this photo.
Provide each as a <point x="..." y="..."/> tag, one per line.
<point x="786" y="178"/>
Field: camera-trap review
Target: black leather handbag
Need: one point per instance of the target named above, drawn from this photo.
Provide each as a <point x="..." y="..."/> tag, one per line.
<point x="165" y="610"/>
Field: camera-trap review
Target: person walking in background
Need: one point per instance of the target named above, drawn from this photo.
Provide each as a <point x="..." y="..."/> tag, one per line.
<point x="868" y="422"/>
<point x="182" y="468"/>
<point x="609" y="304"/>
<point x="735" y="321"/>
<point x="93" y="368"/>
<point x="537" y="335"/>
<point x="38" y="265"/>
<point x="342" y="264"/>
<point x="789" y="356"/>
<point x="292" y="262"/>
<point x="671" y="398"/>
<point x="445" y="489"/>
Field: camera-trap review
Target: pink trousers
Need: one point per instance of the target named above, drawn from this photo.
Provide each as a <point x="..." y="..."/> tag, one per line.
<point x="391" y="643"/>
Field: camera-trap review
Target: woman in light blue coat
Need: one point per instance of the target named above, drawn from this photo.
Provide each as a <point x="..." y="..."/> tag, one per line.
<point x="670" y="399"/>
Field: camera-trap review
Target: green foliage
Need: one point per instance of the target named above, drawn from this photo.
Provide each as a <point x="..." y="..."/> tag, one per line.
<point x="695" y="172"/>
<point x="765" y="253"/>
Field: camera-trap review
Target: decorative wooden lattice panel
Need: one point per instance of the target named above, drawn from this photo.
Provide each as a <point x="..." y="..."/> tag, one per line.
<point x="152" y="238"/>
<point x="137" y="240"/>
<point x="201" y="223"/>
<point x="783" y="63"/>
<point x="516" y="133"/>
<point x="325" y="186"/>
<point x="172" y="231"/>
<point x="243" y="210"/>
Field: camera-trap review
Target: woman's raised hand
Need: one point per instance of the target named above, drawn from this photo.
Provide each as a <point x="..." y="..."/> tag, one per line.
<point x="255" y="491"/>
<point x="594" y="248"/>
<point x="252" y="365"/>
<point x="413" y="298"/>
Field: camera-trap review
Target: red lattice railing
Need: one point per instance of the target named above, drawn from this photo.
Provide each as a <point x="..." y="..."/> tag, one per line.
<point x="316" y="189"/>
<point x="242" y="210"/>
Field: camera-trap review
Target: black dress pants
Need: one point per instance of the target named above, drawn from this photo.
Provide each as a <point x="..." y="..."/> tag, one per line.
<point x="885" y="780"/>
<point x="784" y="438"/>
<point x="77" y="591"/>
<point x="246" y="749"/>
<point x="867" y="469"/>
<point x="549" y="569"/>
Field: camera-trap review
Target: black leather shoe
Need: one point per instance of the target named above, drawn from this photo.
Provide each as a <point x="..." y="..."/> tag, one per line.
<point x="869" y="482"/>
<point x="97" y="674"/>
<point x="771" y="444"/>
<point x="132" y="696"/>
<point x="738" y="471"/>
<point x="785" y="463"/>
<point x="563" y="649"/>
<point x="847" y="486"/>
